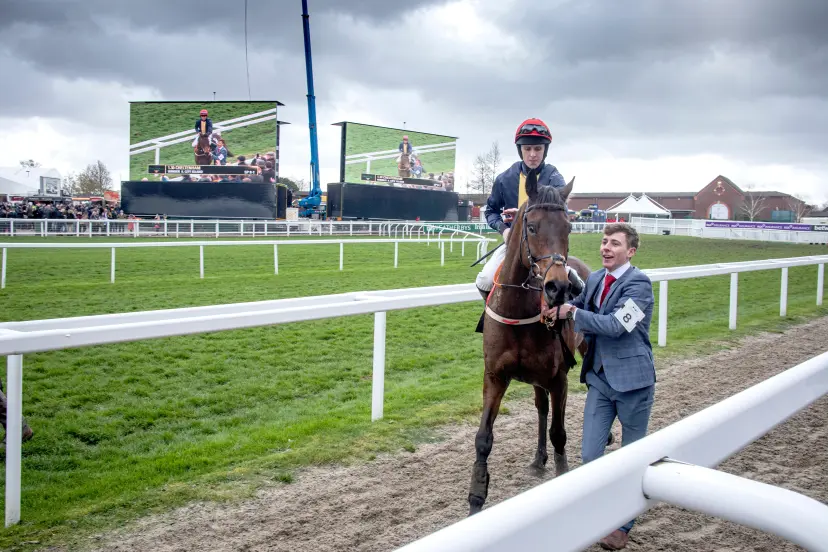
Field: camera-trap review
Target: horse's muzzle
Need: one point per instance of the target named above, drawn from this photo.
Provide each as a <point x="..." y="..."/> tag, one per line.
<point x="555" y="292"/>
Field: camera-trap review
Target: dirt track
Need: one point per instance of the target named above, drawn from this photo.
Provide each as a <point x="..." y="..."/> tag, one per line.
<point x="400" y="498"/>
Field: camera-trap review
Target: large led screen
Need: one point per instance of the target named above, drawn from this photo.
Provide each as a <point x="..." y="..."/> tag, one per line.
<point x="397" y="157"/>
<point x="165" y="133"/>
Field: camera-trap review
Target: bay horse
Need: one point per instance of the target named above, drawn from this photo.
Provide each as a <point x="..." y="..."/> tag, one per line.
<point x="203" y="155"/>
<point x="530" y="283"/>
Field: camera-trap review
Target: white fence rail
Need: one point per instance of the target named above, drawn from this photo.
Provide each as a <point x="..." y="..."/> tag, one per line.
<point x="697" y="228"/>
<point x="188" y="135"/>
<point x="672" y="465"/>
<point x="432" y="235"/>
<point x="19" y="338"/>
<point x="223" y="228"/>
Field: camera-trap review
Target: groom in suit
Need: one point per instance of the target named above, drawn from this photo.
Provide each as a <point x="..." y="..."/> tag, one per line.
<point x="618" y="368"/>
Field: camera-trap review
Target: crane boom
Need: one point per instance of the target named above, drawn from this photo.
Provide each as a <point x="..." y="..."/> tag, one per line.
<point x="315" y="195"/>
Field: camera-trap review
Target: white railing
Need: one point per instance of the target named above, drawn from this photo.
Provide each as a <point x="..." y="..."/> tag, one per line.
<point x="697" y="228"/>
<point x="224" y="228"/>
<point x="219" y="228"/>
<point x="673" y="465"/>
<point x="188" y="135"/>
<point x="390" y="154"/>
<point x="432" y="235"/>
<point x="19" y="338"/>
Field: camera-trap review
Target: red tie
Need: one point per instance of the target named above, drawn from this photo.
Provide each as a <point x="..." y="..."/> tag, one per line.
<point x="607" y="283"/>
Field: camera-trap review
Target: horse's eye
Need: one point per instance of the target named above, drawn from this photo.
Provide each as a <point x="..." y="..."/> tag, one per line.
<point x="531" y="228"/>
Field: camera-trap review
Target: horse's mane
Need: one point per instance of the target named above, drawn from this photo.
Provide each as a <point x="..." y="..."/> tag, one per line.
<point x="549" y="195"/>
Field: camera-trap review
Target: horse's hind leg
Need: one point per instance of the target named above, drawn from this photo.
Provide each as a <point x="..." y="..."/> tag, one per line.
<point x="557" y="432"/>
<point x="493" y="390"/>
<point x="542" y="404"/>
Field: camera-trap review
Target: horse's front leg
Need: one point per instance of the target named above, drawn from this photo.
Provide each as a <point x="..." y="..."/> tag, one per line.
<point x="542" y="404"/>
<point x="493" y="390"/>
<point x="557" y="432"/>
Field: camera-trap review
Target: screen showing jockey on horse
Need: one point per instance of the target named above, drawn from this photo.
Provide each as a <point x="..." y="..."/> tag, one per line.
<point x="397" y="157"/>
<point x="201" y="133"/>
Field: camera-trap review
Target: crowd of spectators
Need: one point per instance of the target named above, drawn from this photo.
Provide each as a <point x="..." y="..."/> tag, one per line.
<point x="61" y="210"/>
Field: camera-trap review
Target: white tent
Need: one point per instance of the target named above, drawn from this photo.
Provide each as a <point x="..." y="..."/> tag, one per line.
<point x="642" y="206"/>
<point x="22" y="181"/>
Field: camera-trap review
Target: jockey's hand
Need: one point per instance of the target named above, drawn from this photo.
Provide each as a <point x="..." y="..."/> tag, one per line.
<point x="509" y="214"/>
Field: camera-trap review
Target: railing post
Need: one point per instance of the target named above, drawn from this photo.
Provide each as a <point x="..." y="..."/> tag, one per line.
<point x="3" y="271"/>
<point x="820" y="282"/>
<point x="662" y="313"/>
<point x="734" y="299"/>
<point x="192" y="228"/>
<point x="275" y="259"/>
<point x="11" y="228"/>
<point x="396" y="253"/>
<point x="442" y="253"/>
<point x="217" y="229"/>
<point x="14" y="436"/>
<point x="783" y="295"/>
<point x="201" y="261"/>
<point x="112" y="268"/>
<point x="341" y="254"/>
<point x="378" y="383"/>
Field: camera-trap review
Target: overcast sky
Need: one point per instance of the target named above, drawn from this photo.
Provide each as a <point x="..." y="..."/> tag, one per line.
<point x="659" y="95"/>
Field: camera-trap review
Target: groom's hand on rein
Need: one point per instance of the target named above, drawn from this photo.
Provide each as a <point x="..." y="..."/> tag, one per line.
<point x="509" y="214"/>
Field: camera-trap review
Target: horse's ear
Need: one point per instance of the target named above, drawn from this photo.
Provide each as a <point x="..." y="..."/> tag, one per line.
<point x="567" y="189"/>
<point x="532" y="185"/>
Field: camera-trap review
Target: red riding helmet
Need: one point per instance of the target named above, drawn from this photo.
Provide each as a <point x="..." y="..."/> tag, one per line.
<point x="533" y="131"/>
<point x="203" y="112"/>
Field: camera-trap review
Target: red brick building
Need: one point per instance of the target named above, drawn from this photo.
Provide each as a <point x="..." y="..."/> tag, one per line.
<point x="720" y="199"/>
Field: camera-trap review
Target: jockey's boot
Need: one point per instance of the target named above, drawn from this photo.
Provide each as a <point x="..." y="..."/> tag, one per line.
<point x="485" y="295"/>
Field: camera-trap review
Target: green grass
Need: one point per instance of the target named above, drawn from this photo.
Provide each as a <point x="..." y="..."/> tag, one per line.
<point x="129" y="429"/>
<point x="366" y="138"/>
<point x="152" y="120"/>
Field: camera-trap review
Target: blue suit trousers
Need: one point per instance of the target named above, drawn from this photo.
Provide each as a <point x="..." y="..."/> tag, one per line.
<point x="603" y="405"/>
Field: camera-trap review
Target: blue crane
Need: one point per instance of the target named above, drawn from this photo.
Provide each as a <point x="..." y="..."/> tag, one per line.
<point x="310" y="205"/>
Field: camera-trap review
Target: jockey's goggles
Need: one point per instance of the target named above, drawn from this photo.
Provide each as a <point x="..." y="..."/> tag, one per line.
<point x="529" y="129"/>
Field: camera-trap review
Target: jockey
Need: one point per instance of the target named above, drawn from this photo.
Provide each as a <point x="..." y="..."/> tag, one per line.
<point x="203" y="118"/>
<point x="532" y="139"/>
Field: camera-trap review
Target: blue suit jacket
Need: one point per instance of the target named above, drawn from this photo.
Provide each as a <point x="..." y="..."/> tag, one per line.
<point x="627" y="357"/>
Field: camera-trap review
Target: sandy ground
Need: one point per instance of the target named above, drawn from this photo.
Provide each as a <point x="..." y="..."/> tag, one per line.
<point x="399" y="498"/>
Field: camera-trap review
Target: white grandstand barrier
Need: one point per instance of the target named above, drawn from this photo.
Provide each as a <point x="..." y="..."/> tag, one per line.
<point x="571" y="512"/>
<point x="18" y="338"/>
<point x="156" y="144"/>
<point x="201" y="244"/>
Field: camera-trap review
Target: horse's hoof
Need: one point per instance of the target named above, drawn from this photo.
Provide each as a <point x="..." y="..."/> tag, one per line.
<point x="561" y="464"/>
<point x="539" y="463"/>
<point x="475" y="505"/>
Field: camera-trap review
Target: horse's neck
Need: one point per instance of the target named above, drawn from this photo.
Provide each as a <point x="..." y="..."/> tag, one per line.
<point x="518" y="301"/>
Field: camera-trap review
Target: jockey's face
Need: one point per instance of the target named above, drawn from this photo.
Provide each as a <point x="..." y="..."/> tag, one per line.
<point x="203" y="116"/>
<point x="532" y="154"/>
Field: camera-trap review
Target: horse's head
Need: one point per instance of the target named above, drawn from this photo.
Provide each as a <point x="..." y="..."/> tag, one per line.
<point x="543" y="226"/>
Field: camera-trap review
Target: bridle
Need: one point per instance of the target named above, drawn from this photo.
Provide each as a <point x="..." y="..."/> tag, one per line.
<point x="534" y="268"/>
